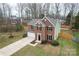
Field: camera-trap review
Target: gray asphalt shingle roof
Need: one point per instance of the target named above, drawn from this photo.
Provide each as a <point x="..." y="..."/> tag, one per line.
<point x="33" y="22"/>
<point x="52" y="20"/>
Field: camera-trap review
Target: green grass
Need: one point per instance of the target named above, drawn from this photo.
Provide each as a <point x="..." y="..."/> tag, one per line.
<point x="45" y="50"/>
<point x="31" y="51"/>
<point x="76" y="34"/>
<point x="76" y="45"/>
<point x="64" y="42"/>
<point x="67" y="44"/>
<point x="39" y="51"/>
<point x="5" y="40"/>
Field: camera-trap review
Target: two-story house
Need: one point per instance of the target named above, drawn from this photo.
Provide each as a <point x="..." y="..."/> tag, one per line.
<point x="44" y="29"/>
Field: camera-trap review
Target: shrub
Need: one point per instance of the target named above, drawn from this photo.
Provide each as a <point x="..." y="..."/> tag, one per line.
<point x="55" y="43"/>
<point x="44" y="42"/>
<point x="19" y="27"/>
<point x="25" y="35"/>
<point x="41" y="16"/>
<point x="76" y="25"/>
<point x="65" y="35"/>
<point x="11" y="36"/>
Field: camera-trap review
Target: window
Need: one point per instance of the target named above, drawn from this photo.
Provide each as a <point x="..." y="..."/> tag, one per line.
<point x="39" y="27"/>
<point x="32" y="27"/>
<point x="49" y="37"/>
<point x="49" y="28"/>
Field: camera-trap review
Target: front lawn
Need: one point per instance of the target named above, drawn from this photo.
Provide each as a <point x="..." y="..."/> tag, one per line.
<point x="31" y="51"/>
<point x="76" y="45"/>
<point x="48" y="50"/>
<point x="76" y="34"/>
<point x="64" y="42"/>
<point x="71" y="43"/>
<point x="67" y="47"/>
<point x="5" y="40"/>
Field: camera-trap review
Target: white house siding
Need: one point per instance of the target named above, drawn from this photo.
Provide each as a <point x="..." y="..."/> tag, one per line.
<point x="57" y="30"/>
<point x="30" y="34"/>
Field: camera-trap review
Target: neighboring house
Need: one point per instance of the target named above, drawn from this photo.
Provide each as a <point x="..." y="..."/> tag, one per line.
<point x="15" y="20"/>
<point x="62" y="22"/>
<point x="44" y="29"/>
<point x="26" y="20"/>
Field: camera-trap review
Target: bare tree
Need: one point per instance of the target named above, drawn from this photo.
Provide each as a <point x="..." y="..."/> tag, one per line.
<point x="1" y="15"/>
<point x="9" y="11"/>
<point x="57" y="10"/>
<point x="4" y="11"/>
<point x="20" y="7"/>
<point x="1" y="18"/>
<point x="72" y="9"/>
<point x="39" y="9"/>
<point x="46" y="8"/>
<point x="65" y="7"/>
<point x="34" y="9"/>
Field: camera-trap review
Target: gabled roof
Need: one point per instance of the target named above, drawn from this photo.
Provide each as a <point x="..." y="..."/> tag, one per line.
<point x="34" y="21"/>
<point x="51" y="20"/>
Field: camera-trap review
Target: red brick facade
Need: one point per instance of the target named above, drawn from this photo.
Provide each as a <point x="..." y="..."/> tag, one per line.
<point x="44" y="32"/>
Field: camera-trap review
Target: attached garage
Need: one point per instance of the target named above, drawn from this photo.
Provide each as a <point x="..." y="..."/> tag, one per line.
<point x="30" y="34"/>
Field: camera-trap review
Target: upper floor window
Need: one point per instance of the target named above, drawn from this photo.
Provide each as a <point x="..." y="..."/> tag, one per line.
<point x="32" y="27"/>
<point x="49" y="28"/>
<point x="39" y="27"/>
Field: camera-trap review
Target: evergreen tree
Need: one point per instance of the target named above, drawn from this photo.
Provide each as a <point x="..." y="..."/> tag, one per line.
<point x="0" y="13"/>
<point x="19" y="27"/>
<point x="76" y="25"/>
<point x="68" y="18"/>
<point x="41" y="16"/>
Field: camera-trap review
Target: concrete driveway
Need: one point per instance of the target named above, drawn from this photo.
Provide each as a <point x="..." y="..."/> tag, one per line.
<point x="14" y="47"/>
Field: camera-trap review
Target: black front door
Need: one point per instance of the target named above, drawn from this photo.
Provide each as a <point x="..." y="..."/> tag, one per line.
<point x="39" y="37"/>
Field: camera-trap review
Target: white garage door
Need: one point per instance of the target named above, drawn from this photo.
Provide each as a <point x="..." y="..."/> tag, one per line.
<point x="30" y="34"/>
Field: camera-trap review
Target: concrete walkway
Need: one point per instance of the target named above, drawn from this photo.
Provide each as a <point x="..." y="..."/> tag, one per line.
<point x="14" y="47"/>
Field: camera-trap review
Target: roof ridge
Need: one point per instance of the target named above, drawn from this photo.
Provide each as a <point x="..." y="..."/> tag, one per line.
<point x="48" y="20"/>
